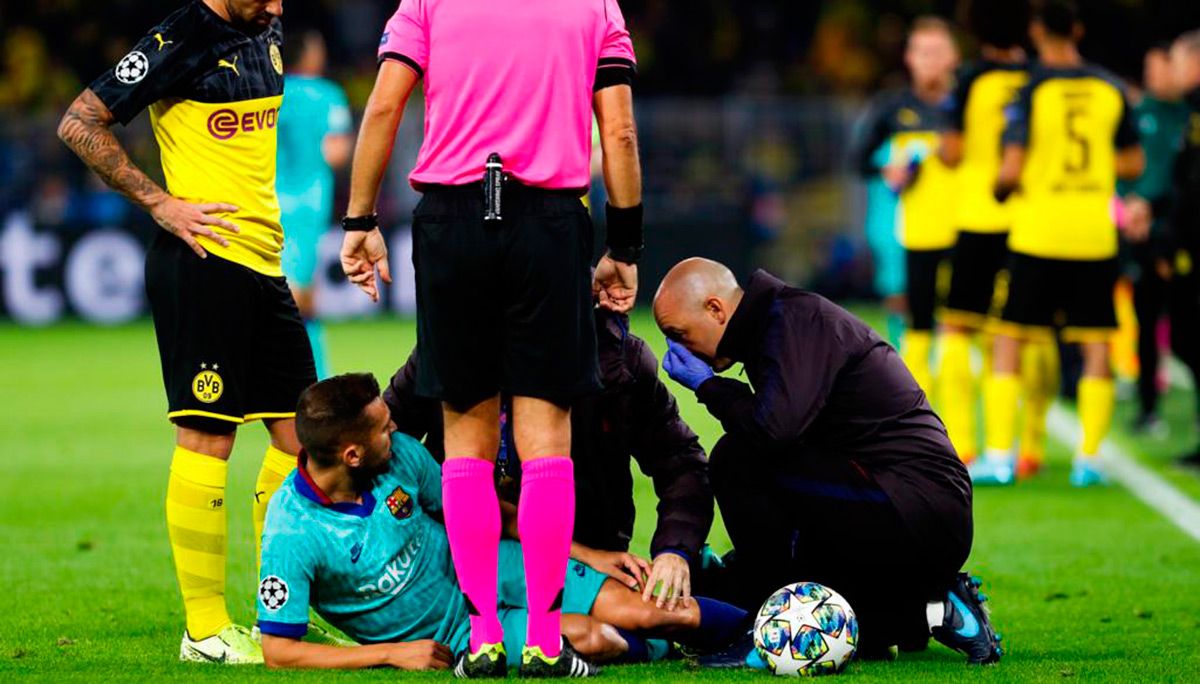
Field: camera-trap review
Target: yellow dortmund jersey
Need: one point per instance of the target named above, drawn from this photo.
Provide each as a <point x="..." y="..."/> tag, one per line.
<point x="984" y="90"/>
<point x="1071" y="123"/>
<point x="214" y="94"/>
<point x="911" y="130"/>
<point x="925" y="213"/>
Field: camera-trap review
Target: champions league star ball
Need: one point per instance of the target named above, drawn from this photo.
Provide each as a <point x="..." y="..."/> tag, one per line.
<point x="806" y="629"/>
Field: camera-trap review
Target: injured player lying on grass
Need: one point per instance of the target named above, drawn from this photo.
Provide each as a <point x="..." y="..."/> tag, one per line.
<point x="356" y="534"/>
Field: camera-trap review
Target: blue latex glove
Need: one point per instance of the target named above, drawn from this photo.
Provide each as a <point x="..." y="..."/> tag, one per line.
<point x="684" y="368"/>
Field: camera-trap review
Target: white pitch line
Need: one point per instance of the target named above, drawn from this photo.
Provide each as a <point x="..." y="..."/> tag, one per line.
<point x="1142" y="482"/>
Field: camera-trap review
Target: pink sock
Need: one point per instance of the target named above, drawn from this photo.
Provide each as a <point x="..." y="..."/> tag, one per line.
<point x="472" y="514"/>
<point x="545" y="520"/>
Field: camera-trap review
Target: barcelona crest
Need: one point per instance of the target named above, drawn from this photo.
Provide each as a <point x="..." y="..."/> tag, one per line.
<point x="400" y="504"/>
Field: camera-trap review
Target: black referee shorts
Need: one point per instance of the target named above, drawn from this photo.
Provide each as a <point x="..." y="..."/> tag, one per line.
<point x="1076" y="296"/>
<point x="975" y="262"/>
<point x="505" y="305"/>
<point x="231" y="341"/>
<point x="925" y="290"/>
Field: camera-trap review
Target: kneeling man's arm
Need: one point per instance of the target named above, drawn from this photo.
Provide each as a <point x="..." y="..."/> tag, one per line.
<point x="667" y="450"/>
<point x="279" y="652"/>
<point x="800" y="369"/>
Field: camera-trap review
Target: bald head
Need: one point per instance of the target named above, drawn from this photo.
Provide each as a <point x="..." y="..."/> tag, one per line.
<point x="694" y="304"/>
<point x="693" y="280"/>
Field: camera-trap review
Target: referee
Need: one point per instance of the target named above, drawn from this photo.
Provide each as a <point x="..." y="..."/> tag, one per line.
<point x="502" y="250"/>
<point x="231" y="342"/>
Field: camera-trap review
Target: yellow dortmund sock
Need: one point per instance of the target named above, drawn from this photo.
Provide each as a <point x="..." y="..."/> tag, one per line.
<point x="957" y="386"/>
<point x="196" y="524"/>
<point x="1097" y="396"/>
<point x="1039" y="382"/>
<point x="1001" y="393"/>
<point x="917" y="345"/>
<point x="275" y="467"/>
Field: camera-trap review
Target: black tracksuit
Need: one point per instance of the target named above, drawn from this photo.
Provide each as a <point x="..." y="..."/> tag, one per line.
<point x="834" y="468"/>
<point x="634" y="415"/>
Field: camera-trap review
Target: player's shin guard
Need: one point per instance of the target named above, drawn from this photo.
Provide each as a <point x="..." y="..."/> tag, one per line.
<point x="1001" y="394"/>
<point x="917" y="346"/>
<point x="545" y="518"/>
<point x="196" y="525"/>
<point x="275" y="467"/>
<point x="472" y="513"/>
<point x="1097" y="397"/>
<point x="958" y="393"/>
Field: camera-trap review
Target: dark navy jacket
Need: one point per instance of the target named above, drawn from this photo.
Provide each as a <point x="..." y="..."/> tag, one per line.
<point x="824" y="385"/>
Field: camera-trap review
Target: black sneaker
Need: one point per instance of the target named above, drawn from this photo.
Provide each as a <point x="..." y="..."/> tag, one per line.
<point x="737" y="654"/>
<point x="536" y="665"/>
<point x="490" y="662"/>
<point x="966" y="627"/>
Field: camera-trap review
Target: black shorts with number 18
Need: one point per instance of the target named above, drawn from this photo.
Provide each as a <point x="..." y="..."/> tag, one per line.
<point x="231" y="341"/>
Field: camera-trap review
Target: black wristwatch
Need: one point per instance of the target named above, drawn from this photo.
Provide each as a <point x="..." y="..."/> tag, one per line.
<point x="360" y="223"/>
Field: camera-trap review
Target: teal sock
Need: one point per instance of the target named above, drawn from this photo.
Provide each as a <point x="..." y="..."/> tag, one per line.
<point x="657" y="649"/>
<point x="316" y="338"/>
<point x="895" y="329"/>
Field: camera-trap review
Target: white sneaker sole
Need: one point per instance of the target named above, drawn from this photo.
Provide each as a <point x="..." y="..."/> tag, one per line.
<point x="190" y="654"/>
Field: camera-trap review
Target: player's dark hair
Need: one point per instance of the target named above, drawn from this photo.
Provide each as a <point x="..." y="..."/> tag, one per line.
<point x="1059" y="17"/>
<point x="332" y="413"/>
<point x="296" y="43"/>
<point x="1000" y="23"/>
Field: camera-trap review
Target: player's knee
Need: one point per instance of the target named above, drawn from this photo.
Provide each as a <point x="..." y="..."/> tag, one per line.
<point x="726" y="462"/>
<point x="205" y="435"/>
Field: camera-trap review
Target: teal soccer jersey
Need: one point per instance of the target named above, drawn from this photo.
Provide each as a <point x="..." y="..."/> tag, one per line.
<point x="313" y="108"/>
<point x="381" y="570"/>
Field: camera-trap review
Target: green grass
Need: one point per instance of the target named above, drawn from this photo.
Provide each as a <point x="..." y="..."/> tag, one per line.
<point x="1085" y="584"/>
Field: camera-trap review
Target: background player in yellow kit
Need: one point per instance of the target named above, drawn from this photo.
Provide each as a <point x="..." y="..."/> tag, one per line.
<point x="912" y="123"/>
<point x="1069" y="136"/>
<point x="985" y="87"/>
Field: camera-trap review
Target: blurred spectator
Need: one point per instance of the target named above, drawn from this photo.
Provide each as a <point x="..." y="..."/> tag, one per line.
<point x="32" y="81"/>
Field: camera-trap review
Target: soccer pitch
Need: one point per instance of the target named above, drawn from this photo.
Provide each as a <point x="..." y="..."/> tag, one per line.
<point x="1088" y="584"/>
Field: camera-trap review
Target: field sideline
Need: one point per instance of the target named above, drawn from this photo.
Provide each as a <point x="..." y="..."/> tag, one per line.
<point x="1084" y="584"/>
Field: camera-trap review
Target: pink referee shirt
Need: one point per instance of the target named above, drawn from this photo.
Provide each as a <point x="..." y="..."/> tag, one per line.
<point x="509" y="76"/>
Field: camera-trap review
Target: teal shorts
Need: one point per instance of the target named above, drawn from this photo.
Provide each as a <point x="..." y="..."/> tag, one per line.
<point x="303" y="226"/>
<point x="579" y="593"/>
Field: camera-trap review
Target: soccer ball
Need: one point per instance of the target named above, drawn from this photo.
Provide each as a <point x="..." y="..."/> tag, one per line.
<point x="806" y="629"/>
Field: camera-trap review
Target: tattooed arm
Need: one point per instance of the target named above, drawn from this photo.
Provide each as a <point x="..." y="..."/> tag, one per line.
<point x="86" y="129"/>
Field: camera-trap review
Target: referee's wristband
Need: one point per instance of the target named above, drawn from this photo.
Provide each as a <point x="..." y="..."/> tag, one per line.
<point x="360" y="223"/>
<point x="626" y="240"/>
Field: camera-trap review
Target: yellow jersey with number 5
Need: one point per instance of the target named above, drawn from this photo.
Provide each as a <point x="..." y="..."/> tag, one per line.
<point x="1071" y="122"/>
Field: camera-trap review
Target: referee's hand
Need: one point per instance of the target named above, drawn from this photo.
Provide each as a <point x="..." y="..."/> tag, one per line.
<point x="615" y="284"/>
<point x="362" y="253"/>
<point x="186" y="221"/>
